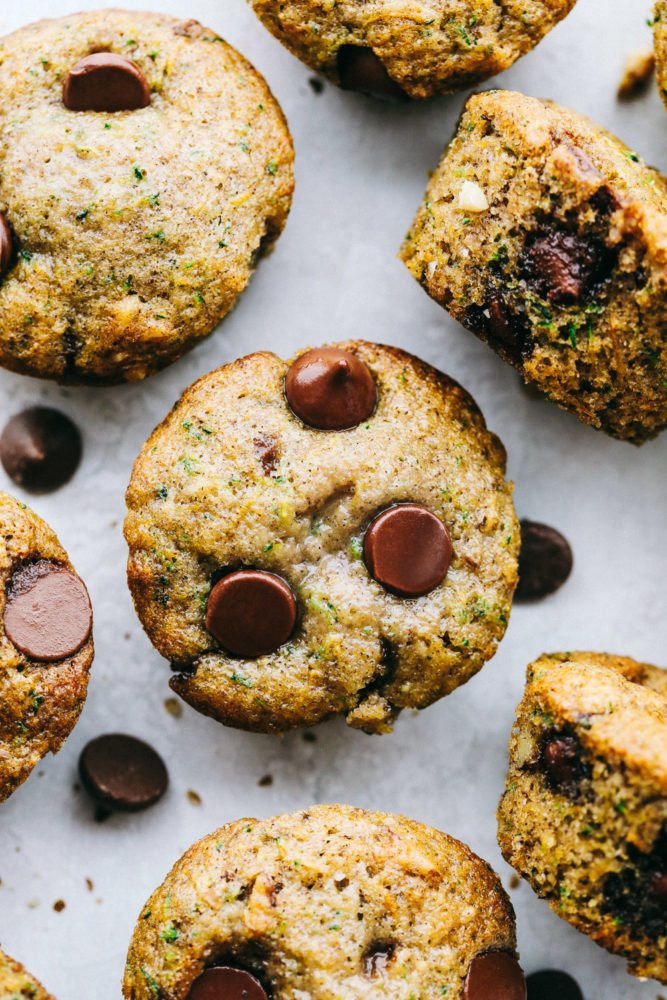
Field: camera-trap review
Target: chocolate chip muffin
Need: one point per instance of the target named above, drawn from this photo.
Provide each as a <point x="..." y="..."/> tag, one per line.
<point x="145" y="169"/>
<point x="17" y="984"/>
<point x="306" y="905"/>
<point x="46" y="645"/>
<point x="393" y="47"/>
<point x="330" y="536"/>
<point x="584" y="814"/>
<point x="660" y="37"/>
<point x="547" y="237"/>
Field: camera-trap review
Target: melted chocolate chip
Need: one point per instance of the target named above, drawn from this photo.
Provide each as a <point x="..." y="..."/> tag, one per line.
<point x="40" y="449"/>
<point x="360" y="69"/>
<point x="267" y="451"/>
<point x="6" y="244"/>
<point x="502" y="328"/>
<point x="551" y="984"/>
<point x="122" y="773"/>
<point x="495" y="975"/>
<point x="47" y="611"/>
<point x="377" y="959"/>
<point x="565" y="266"/>
<point x="561" y="760"/>
<point x="226" y="983"/>
<point x="104" y="81"/>
<point x="251" y="613"/>
<point x="545" y="561"/>
<point x="408" y="550"/>
<point x="637" y="894"/>
<point x="330" y="389"/>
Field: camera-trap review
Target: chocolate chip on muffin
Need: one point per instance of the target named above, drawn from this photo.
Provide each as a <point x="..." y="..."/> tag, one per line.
<point x="306" y="904"/>
<point x="584" y="814"/>
<point x="333" y="535"/>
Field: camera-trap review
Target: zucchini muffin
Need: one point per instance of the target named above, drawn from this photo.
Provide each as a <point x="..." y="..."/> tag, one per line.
<point x="330" y="536"/>
<point x="17" y="984"/>
<point x="145" y="169"/>
<point x="584" y="814"/>
<point x="46" y="645"/>
<point x="660" y="37"/>
<point x="547" y="237"/>
<point x="306" y="905"/>
<point x="419" y="48"/>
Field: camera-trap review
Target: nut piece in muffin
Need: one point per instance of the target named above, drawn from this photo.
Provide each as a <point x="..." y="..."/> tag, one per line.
<point x="328" y="536"/>
<point x="393" y="47"/>
<point x="584" y="814"/>
<point x="17" y="984"/>
<point x="146" y="168"/>
<point x="46" y="645"/>
<point x="547" y="237"/>
<point x="308" y="905"/>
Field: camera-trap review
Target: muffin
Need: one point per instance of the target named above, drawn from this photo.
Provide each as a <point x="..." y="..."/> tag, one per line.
<point x="547" y="237"/>
<point x="393" y="48"/>
<point x="17" y="984"/>
<point x="584" y="814"/>
<point x="306" y="905"/>
<point x="164" y="171"/>
<point x="46" y="645"/>
<point x="328" y="536"/>
<point x="660" y="37"/>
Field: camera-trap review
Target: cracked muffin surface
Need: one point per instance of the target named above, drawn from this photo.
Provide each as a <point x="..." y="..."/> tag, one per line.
<point x="547" y="237"/>
<point x="40" y="698"/>
<point x="17" y="984"/>
<point x="308" y="903"/>
<point x="233" y="479"/>
<point x="427" y="47"/>
<point x="133" y="231"/>
<point x="584" y="814"/>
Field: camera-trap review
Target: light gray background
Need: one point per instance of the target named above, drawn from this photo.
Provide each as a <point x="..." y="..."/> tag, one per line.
<point x="361" y="171"/>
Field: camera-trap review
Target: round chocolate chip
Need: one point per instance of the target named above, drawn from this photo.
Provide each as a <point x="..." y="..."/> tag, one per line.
<point x="551" y="984"/>
<point x="545" y="561"/>
<point x="496" y="975"/>
<point x="408" y="549"/>
<point x="47" y="611"/>
<point x="40" y="449"/>
<point x="360" y="69"/>
<point x="122" y="773"/>
<point x="106" y="82"/>
<point x="330" y="389"/>
<point x="6" y="244"/>
<point x="251" y="613"/>
<point x="226" y="983"/>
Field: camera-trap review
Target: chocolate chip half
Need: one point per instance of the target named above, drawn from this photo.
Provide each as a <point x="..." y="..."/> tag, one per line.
<point x="551" y="984"/>
<point x="40" y="449"/>
<point x="497" y="975"/>
<point x="6" y="244"/>
<point x="107" y="82"/>
<point x="360" y="69"/>
<point x="251" y="613"/>
<point x="226" y="983"/>
<point x="545" y="561"/>
<point x="47" y="611"/>
<point x="408" y="549"/>
<point x="330" y="389"/>
<point x="564" y="266"/>
<point x="122" y="773"/>
<point x="561" y="759"/>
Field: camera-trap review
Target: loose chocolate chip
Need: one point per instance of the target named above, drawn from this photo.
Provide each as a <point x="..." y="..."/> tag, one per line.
<point x="6" y="244"/>
<point x="251" y="613"/>
<point x="563" y="266"/>
<point x="408" y="549"/>
<point x="226" y="983"/>
<point x="496" y="975"/>
<point x="545" y="561"/>
<point x="360" y="69"/>
<point x="550" y="984"/>
<point x="47" y="611"/>
<point x="330" y="389"/>
<point x="561" y="760"/>
<point x="122" y="773"/>
<point x="40" y="449"/>
<point x="106" y="82"/>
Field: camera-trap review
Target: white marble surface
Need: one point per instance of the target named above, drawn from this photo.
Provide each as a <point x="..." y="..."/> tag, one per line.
<point x="361" y="170"/>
